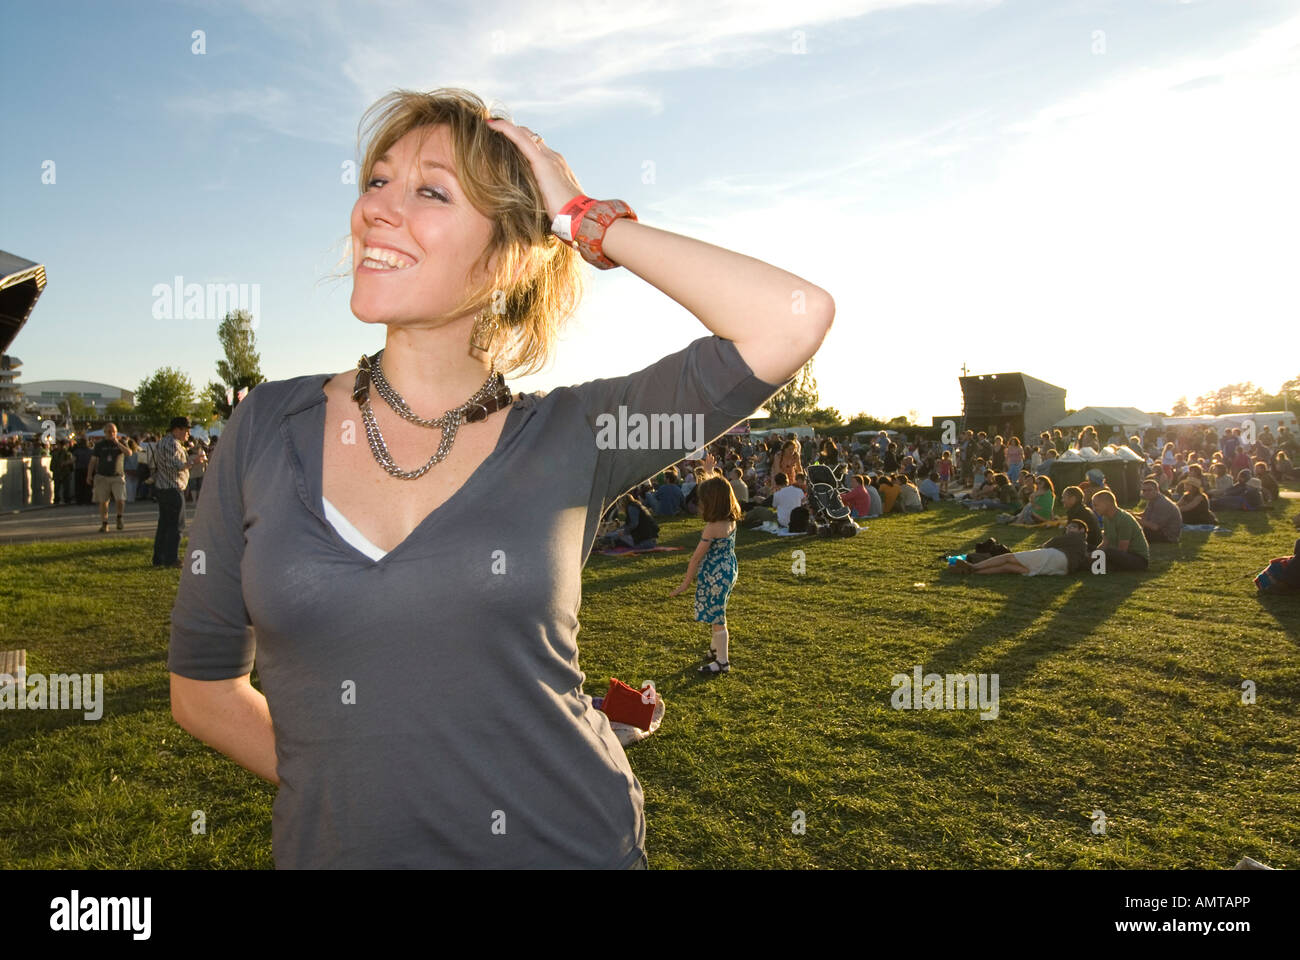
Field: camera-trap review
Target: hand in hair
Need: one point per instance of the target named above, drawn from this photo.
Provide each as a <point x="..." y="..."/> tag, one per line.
<point x="555" y="180"/>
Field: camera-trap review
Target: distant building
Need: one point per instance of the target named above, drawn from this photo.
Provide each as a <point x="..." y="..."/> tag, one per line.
<point x="1011" y="404"/>
<point x="49" y="395"/>
<point x="21" y="283"/>
<point x="10" y="391"/>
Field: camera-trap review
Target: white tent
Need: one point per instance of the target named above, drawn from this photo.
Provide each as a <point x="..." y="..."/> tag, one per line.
<point x="1126" y="417"/>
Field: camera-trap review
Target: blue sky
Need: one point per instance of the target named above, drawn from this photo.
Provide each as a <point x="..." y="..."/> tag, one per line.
<point x="1101" y="194"/>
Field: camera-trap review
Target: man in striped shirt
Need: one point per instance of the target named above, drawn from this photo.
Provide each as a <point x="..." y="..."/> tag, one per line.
<point x="171" y="473"/>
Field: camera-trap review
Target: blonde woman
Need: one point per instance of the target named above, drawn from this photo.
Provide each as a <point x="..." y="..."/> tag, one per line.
<point x="398" y="561"/>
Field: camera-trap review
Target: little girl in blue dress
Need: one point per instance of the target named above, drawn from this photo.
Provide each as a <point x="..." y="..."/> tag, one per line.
<point x="715" y="561"/>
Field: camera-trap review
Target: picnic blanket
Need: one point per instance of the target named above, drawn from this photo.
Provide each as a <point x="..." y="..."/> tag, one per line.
<point x="1054" y="522"/>
<point x="771" y="526"/>
<point x="1206" y="528"/>
<point x="624" y="551"/>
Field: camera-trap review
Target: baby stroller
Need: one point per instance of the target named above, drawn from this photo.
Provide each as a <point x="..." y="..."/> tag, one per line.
<point x="827" y="511"/>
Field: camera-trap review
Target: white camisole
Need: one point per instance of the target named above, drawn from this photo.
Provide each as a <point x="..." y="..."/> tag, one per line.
<point x="350" y="533"/>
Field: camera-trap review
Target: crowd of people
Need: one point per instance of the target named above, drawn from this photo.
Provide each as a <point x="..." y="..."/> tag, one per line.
<point x="118" y="470"/>
<point x="769" y="478"/>
<point x="1190" y="476"/>
<point x="1205" y="473"/>
<point x="1195" y="471"/>
<point x="68" y="478"/>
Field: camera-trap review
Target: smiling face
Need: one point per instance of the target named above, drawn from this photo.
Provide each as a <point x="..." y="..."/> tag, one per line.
<point x="424" y="234"/>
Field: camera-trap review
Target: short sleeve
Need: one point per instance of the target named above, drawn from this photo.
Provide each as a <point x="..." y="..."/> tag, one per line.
<point x="211" y="634"/>
<point x="648" y="420"/>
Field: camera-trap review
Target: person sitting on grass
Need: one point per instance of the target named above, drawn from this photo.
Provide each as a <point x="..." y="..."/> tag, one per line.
<point x="1220" y="482"/>
<point x="873" y="494"/>
<point x="736" y="478"/>
<point x="1194" y="505"/>
<point x="909" y="498"/>
<point x="888" y="491"/>
<point x="1039" y="509"/>
<point x="1076" y="509"/>
<point x="1093" y="481"/>
<point x="1067" y="553"/>
<point x="987" y="494"/>
<point x="1161" y="521"/>
<point x="1283" y="469"/>
<point x="857" y="499"/>
<point x="1242" y="495"/>
<point x="691" y="502"/>
<point x="1123" y="541"/>
<point x="640" y="532"/>
<point x="930" y="490"/>
<point x="1267" y="481"/>
<point x="785" y="499"/>
<point x="668" y="494"/>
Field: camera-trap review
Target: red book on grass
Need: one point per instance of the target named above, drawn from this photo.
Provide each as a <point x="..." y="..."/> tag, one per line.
<point x="624" y="705"/>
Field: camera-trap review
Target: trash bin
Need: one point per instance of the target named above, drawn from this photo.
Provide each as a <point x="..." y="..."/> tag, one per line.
<point x="1066" y="473"/>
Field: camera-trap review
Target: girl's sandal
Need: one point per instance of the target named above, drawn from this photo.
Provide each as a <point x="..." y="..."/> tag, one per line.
<point x="716" y="666"/>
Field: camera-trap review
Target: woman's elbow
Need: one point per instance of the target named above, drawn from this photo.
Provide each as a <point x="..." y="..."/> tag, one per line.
<point x="819" y="318"/>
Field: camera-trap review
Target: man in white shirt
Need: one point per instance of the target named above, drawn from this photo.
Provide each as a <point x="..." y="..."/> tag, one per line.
<point x="785" y="499"/>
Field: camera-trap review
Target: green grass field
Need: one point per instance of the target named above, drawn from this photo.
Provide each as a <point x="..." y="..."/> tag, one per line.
<point x="1118" y="693"/>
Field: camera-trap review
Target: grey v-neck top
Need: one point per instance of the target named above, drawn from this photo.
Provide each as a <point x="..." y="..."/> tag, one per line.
<point x="428" y="706"/>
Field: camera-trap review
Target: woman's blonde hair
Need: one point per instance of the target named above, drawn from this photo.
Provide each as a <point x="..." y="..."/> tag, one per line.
<point x="497" y="180"/>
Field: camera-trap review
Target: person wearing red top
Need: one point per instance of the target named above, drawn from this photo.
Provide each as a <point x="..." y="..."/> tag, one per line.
<point x="857" y="499"/>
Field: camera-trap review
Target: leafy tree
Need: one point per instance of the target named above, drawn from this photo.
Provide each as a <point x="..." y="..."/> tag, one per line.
<point x="241" y="367"/>
<point x="165" y="394"/>
<point x="76" y="407"/>
<point x="797" y="401"/>
<point x="1180" y="408"/>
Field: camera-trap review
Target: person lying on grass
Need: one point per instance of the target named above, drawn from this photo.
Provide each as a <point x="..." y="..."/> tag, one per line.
<point x="1067" y="553"/>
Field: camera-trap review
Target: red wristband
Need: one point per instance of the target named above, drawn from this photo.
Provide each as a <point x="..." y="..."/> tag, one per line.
<point x="590" y="234"/>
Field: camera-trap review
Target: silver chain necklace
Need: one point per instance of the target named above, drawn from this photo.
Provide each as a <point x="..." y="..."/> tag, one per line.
<point x="369" y="370"/>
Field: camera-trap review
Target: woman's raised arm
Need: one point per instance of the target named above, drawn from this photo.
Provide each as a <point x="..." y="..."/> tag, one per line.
<point x="776" y="320"/>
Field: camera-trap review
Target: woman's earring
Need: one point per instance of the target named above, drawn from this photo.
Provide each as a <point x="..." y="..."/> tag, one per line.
<point x="483" y="333"/>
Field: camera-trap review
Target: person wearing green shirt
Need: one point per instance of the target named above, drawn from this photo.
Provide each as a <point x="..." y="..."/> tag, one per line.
<point x="1123" y="541"/>
<point x="1040" y="506"/>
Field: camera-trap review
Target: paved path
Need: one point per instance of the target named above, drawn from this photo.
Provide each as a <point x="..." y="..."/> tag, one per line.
<point x="77" y="522"/>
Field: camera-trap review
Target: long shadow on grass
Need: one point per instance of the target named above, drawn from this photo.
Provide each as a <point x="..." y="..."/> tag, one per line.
<point x="1093" y="600"/>
<point x="1285" y="609"/>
